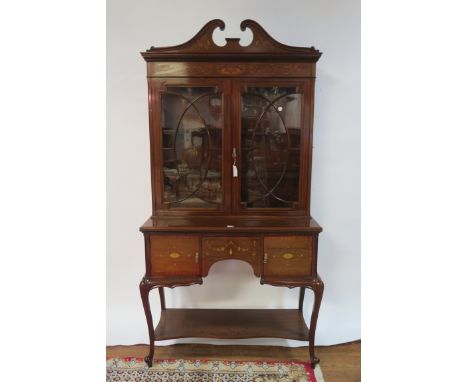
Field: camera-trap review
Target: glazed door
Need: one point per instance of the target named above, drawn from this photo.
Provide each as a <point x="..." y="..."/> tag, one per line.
<point x="270" y="146"/>
<point x="191" y="137"/>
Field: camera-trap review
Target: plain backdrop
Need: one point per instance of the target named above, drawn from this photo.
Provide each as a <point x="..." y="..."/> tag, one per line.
<point x="333" y="27"/>
<point x="52" y="161"/>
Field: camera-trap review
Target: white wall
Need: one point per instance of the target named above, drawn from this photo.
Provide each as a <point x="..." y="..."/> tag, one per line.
<point x="333" y="27"/>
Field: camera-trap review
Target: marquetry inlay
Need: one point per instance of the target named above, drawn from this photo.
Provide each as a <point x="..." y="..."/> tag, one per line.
<point x="213" y="245"/>
<point x="223" y="248"/>
<point x="289" y="255"/>
<point x="214" y="69"/>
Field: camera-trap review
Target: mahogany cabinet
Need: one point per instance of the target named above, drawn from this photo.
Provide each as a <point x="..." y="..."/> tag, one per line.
<point x="231" y="158"/>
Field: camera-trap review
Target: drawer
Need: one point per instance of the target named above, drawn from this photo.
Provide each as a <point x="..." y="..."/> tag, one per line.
<point x="227" y="247"/>
<point x="288" y="256"/>
<point x="174" y="255"/>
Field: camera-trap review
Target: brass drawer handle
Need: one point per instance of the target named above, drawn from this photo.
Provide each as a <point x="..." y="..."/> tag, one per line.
<point x="196" y="257"/>
<point x="265" y="258"/>
<point x="174" y="255"/>
<point x="288" y="256"/>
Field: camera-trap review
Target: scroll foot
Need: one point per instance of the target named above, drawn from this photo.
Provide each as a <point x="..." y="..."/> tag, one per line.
<point x="149" y="360"/>
<point x="314" y="362"/>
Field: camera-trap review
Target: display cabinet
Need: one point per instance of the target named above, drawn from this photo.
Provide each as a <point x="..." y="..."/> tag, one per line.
<point x="231" y="159"/>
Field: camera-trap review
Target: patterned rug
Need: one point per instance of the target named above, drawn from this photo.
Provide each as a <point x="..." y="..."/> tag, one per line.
<point x="136" y="370"/>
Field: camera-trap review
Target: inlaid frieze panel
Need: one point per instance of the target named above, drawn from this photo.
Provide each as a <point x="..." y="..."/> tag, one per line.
<point x="225" y="248"/>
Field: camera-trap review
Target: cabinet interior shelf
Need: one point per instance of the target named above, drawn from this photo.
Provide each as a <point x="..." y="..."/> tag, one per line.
<point x="232" y="324"/>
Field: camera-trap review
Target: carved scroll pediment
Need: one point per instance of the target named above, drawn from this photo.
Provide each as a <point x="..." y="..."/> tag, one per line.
<point x="203" y="47"/>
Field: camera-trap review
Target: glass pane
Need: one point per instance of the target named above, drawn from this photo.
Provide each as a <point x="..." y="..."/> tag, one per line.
<point x="270" y="147"/>
<point x="192" y="147"/>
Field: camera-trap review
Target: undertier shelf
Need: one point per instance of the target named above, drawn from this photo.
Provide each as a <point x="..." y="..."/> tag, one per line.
<point x="232" y="324"/>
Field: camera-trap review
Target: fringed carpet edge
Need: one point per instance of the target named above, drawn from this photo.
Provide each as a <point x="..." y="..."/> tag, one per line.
<point x="210" y="366"/>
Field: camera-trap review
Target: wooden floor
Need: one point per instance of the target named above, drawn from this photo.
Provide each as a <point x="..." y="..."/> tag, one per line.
<point x="339" y="363"/>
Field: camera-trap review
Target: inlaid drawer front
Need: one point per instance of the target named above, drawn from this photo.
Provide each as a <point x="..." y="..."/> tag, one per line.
<point x="288" y="256"/>
<point x="174" y="255"/>
<point x="224" y="248"/>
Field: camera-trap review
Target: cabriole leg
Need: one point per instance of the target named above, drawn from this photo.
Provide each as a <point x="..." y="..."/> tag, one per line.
<point x="301" y="298"/>
<point x="145" y="288"/>
<point x="162" y="298"/>
<point x="317" y="286"/>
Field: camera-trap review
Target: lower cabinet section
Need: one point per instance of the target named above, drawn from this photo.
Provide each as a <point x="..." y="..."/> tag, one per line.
<point x="174" y="255"/>
<point x="270" y="256"/>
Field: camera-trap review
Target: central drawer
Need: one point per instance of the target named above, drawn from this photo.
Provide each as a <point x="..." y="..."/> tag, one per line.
<point x="216" y="248"/>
